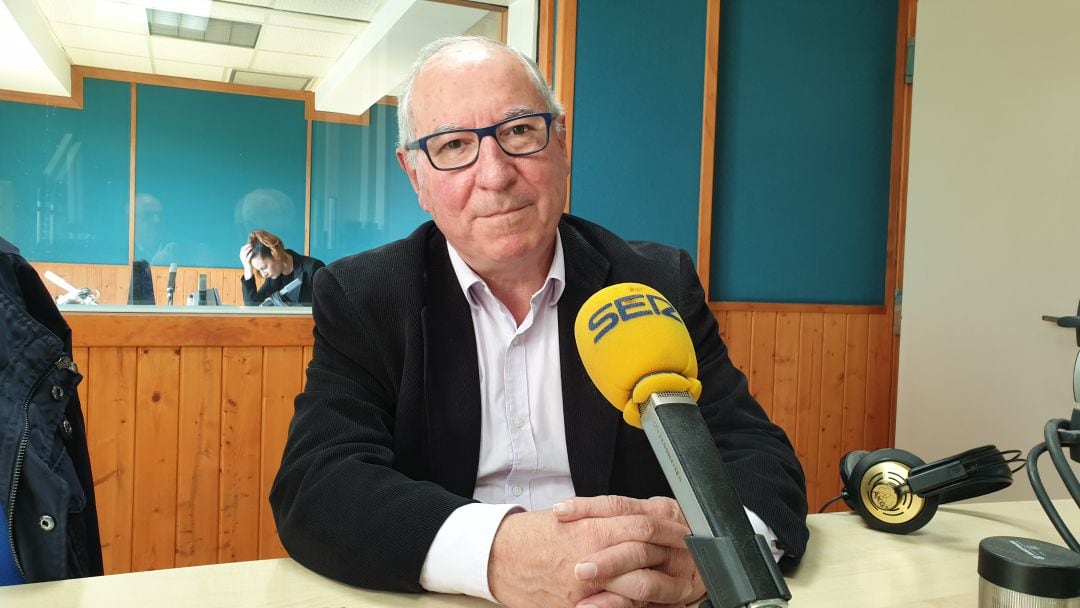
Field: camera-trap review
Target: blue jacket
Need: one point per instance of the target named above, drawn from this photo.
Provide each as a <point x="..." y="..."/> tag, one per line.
<point x="49" y="526"/>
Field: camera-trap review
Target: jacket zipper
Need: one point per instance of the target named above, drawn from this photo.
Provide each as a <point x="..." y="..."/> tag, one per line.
<point x="64" y="362"/>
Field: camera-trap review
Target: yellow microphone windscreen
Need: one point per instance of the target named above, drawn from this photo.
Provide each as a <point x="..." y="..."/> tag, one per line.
<point x="634" y="343"/>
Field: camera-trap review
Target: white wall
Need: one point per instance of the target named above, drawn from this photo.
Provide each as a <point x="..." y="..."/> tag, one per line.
<point x="522" y="18"/>
<point x="993" y="227"/>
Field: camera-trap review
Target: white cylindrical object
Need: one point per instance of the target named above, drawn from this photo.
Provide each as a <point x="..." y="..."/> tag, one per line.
<point x="1026" y="573"/>
<point x="993" y="596"/>
<point x="59" y="282"/>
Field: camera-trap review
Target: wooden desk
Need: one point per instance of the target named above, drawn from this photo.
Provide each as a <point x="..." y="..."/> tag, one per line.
<point x="847" y="565"/>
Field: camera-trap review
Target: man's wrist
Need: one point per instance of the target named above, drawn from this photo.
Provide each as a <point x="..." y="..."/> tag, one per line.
<point x="457" y="561"/>
<point x="765" y="530"/>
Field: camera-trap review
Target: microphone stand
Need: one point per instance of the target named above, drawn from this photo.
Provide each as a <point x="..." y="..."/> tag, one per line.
<point x="735" y="564"/>
<point x="171" y="287"/>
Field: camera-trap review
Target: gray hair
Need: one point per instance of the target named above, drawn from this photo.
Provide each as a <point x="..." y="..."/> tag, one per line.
<point x="404" y="113"/>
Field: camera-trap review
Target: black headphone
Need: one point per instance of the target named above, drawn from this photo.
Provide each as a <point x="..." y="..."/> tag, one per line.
<point x="896" y="492"/>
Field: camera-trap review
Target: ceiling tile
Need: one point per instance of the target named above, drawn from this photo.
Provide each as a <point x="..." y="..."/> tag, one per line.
<point x="234" y="12"/>
<point x="309" y="22"/>
<point x="100" y="13"/>
<point x="114" y="61"/>
<point x="284" y="63"/>
<point x="277" y="81"/>
<point x="98" y="39"/>
<point x="346" y="9"/>
<point x="259" y="3"/>
<point x="189" y="70"/>
<point x="191" y="51"/>
<point x="303" y="42"/>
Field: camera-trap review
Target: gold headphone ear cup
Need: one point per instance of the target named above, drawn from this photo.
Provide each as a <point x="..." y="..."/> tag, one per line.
<point x="876" y="486"/>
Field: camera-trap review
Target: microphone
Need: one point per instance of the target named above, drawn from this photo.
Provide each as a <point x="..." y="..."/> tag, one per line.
<point x="639" y="354"/>
<point x="278" y="298"/>
<point x="172" y="285"/>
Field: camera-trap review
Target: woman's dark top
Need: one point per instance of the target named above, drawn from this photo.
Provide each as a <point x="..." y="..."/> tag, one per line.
<point x="304" y="267"/>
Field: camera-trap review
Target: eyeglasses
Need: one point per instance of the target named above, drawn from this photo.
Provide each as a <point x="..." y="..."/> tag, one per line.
<point x="457" y="149"/>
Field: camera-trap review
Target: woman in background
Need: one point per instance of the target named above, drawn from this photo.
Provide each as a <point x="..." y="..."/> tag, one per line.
<point x="266" y="254"/>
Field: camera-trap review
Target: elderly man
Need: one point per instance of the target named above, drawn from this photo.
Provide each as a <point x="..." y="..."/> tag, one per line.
<point x="447" y="423"/>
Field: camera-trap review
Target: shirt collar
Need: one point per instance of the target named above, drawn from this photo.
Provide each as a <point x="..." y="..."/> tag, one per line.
<point x="548" y="294"/>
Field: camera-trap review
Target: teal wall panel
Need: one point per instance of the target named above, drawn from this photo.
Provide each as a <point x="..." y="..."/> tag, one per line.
<point x="360" y="197"/>
<point x="804" y="119"/>
<point x="637" y="119"/>
<point x="211" y="167"/>
<point x="64" y="193"/>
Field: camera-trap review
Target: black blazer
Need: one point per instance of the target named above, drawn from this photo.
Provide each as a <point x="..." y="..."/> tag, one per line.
<point x="385" y="440"/>
<point x="303" y="267"/>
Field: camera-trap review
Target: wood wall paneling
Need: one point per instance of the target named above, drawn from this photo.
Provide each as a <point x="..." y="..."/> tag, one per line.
<point x="852" y="436"/>
<point x="824" y="377"/>
<point x="110" y="404"/>
<point x="831" y="420"/>
<point x="198" y="455"/>
<point x="282" y="381"/>
<point x="785" y="408"/>
<point x="807" y="436"/>
<point x="185" y="438"/>
<point x="763" y="358"/>
<point x="157" y="408"/>
<point x="238" y="530"/>
<point x="877" y="430"/>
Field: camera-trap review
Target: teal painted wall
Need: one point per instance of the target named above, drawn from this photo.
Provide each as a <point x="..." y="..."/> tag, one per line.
<point x="804" y="131"/>
<point x="64" y="177"/>
<point x="360" y="197"/>
<point x="637" y="119"/>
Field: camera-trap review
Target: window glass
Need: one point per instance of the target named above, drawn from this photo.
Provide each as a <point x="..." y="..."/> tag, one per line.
<point x="165" y="163"/>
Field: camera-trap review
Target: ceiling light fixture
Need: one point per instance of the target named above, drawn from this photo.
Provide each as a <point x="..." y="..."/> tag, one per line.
<point x="191" y="7"/>
<point x="266" y="79"/>
<point x="204" y="29"/>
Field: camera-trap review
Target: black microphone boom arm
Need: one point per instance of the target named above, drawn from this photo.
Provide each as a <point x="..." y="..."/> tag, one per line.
<point x="735" y="563"/>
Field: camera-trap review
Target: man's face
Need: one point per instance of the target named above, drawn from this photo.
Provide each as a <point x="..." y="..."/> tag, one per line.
<point x="501" y="209"/>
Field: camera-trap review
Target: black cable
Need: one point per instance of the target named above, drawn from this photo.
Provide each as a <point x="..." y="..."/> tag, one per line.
<point x="829" y="504"/>
<point x="1061" y="463"/>
<point x="1044" y="499"/>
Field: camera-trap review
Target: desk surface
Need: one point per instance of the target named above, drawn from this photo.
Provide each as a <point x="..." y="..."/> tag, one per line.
<point x="847" y="565"/>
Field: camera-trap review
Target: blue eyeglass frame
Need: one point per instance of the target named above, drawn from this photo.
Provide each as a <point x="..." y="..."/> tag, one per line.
<point x="481" y="133"/>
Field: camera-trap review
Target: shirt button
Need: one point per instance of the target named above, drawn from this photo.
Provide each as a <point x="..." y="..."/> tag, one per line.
<point x="516" y="341"/>
<point x="57" y="392"/>
<point x="518" y="423"/>
<point x="516" y="490"/>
